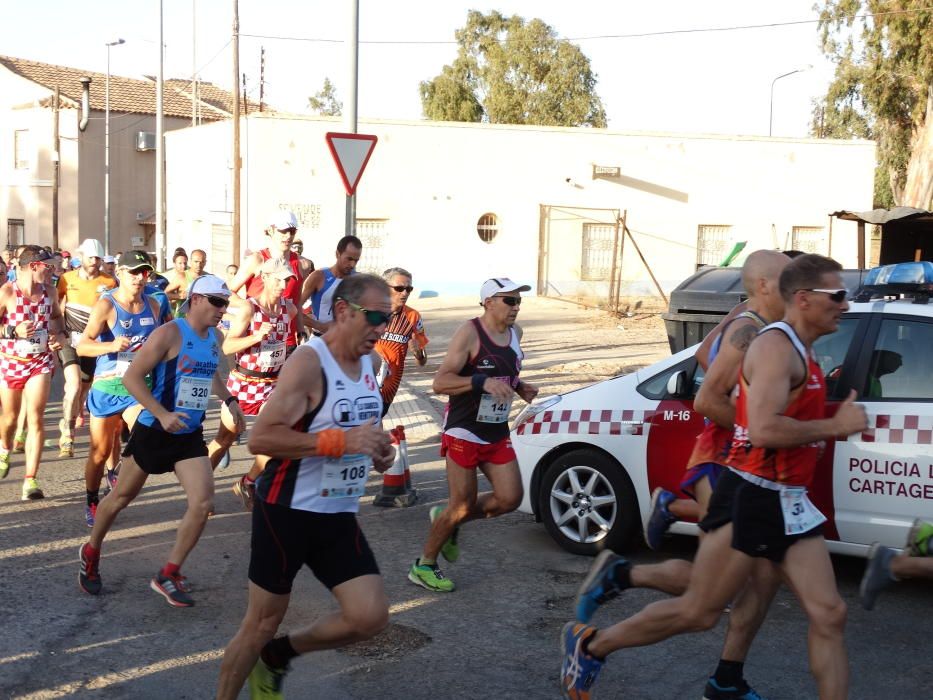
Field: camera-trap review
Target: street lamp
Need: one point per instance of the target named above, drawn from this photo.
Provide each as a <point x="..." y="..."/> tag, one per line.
<point x="783" y="75"/>
<point x="107" y="149"/>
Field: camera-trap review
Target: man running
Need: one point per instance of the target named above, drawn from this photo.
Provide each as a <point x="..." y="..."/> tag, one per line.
<point x="119" y="324"/>
<point x="321" y="428"/>
<point x="31" y="324"/>
<point x="178" y="280"/>
<point x="78" y="292"/>
<point x="320" y="285"/>
<point x="885" y="566"/>
<point x="182" y="358"/>
<point x="611" y="574"/>
<point x="480" y="374"/>
<point x="760" y="507"/>
<point x="256" y="339"/>
<point x="404" y="330"/>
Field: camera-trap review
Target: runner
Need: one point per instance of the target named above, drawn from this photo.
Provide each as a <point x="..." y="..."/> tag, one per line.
<point x="480" y="374"/>
<point x="197" y="262"/>
<point x="885" y="566"/>
<point x="78" y="292"/>
<point x="256" y="338"/>
<point x="119" y="324"/>
<point x="108" y="266"/>
<point x="182" y="359"/>
<point x="32" y="330"/>
<point x="760" y="507"/>
<point x="178" y="280"/>
<point x="404" y="330"/>
<point x="610" y="574"/>
<point x="321" y="429"/>
<point x="320" y="285"/>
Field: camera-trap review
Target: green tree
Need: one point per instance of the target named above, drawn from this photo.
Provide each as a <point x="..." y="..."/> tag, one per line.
<point x="883" y="89"/>
<point x="325" y="101"/>
<point x="512" y="71"/>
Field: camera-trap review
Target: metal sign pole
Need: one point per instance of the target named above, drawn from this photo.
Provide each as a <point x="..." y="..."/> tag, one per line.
<point x="350" y="120"/>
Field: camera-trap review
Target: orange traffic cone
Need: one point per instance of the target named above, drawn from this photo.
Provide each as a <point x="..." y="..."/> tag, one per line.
<point x="397" y="490"/>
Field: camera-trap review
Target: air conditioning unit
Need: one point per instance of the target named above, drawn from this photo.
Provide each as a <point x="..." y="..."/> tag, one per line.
<point x="145" y="141"/>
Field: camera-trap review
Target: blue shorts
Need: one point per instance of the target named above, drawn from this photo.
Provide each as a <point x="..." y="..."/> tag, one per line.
<point x="710" y="470"/>
<point x="103" y="405"/>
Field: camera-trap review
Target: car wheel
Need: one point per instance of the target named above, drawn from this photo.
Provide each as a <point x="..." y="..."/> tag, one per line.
<point x="587" y="502"/>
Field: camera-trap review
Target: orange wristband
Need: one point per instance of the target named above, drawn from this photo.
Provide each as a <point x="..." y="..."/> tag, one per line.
<point x="331" y="442"/>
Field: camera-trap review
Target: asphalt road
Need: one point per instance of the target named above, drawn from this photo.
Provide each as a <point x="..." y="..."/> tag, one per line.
<point x="496" y="636"/>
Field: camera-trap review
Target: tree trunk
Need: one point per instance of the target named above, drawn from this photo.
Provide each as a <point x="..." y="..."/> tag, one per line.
<point x="918" y="188"/>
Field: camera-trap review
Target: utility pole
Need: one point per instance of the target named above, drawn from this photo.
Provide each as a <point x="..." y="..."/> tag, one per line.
<point x="194" y="63"/>
<point x="350" y="120"/>
<point x="160" y="148"/>
<point x="56" y="168"/>
<point x="262" y="74"/>
<point x="236" y="135"/>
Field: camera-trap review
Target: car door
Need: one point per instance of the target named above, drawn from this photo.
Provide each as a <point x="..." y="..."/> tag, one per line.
<point x="883" y="477"/>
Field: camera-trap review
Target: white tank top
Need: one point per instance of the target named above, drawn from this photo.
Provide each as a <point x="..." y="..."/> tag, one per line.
<point x="324" y="484"/>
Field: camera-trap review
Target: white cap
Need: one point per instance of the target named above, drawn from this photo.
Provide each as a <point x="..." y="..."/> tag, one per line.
<point x="283" y="219"/>
<point x="205" y="285"/>
<point x="277" y="268"/>
<point x="109" y="259"/>
<point x="91" y="248"/>
<point x="500" y="285"/>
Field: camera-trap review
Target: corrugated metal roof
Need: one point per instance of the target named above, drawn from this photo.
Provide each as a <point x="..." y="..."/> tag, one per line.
<point x="884" y="216"/>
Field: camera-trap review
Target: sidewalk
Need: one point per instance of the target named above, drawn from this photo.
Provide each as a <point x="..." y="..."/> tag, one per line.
<point x="415" y="414"/>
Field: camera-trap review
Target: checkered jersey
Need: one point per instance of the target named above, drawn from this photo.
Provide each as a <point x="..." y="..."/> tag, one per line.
<point x="897" y="429"/>
<point x="18" y="361"/>
<point x="255" y="390"/>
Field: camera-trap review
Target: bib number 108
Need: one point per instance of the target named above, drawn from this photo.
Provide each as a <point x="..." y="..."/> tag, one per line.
<point x="353" y="473"/>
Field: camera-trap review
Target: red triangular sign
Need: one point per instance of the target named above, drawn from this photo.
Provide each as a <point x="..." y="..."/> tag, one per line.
<point x="351" y="153"/>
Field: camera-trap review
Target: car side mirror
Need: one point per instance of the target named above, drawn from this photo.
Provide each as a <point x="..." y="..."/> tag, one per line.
<point x="676" y="382"/>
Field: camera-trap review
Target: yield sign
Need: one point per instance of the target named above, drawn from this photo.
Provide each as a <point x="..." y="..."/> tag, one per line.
<point x="351" y="153"/>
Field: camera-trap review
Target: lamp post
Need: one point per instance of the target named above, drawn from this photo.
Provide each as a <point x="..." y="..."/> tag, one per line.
<point x="107" y="149"/>
<point x="783" y="75"/>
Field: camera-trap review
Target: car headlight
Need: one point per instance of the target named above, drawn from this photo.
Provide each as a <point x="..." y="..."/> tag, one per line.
<point x="533" y="409"/>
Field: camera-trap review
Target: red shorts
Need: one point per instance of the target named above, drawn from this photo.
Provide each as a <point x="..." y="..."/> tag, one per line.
<point x="470" y="455"/>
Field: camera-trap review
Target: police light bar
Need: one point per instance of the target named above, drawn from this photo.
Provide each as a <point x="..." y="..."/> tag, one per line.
<point x="907" y="278"/>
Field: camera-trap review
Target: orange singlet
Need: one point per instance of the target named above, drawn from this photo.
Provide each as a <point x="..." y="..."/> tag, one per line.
<point x="393" y="347"/>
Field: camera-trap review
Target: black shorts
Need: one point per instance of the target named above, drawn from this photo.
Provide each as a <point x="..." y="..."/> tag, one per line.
<point x="157" y="452"/>
<point x="69" y="356"/>
<point x="756" y="517"/>
<point x="331" y="544"/>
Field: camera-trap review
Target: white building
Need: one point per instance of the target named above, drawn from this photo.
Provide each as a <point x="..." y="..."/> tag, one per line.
<point x="458" y="203"/>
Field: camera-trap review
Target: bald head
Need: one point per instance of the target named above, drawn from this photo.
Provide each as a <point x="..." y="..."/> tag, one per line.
<point x="762" y="265"/>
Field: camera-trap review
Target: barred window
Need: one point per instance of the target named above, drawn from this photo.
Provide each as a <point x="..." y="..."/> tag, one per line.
<point x="597" y="251"/>
<point x="487" y="227"/>
<point x="712" y="243"/>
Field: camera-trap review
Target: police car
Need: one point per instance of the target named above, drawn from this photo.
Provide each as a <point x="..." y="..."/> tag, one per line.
<point x="590" y="458"/>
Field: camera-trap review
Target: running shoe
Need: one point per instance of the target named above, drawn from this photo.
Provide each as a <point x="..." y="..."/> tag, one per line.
<point x="224" y="460"/>
<point x="660" y="518"/>
<point x="246" y="492"/>
<point x="4" y="465"/>
<point x="19" y="443"/>
<point x="265" y="682"/>
<point x="31" y="490"/>
<point x="741" y="691"/>
<point x="430" y="577"/>
<point x="600" y="584"/>
<point x="89" y="573"/>
<point x="168" y="588"/>
<point x="450" y="550"/>
<point x="918" y="539"/>
<point x="79" y="419"/>
<point x="578" y="670"/>
<point x="90" y="512"/>
<point x="112" y="475"/>
<point x="66" y="448"/>
<point x="877" y="574"/>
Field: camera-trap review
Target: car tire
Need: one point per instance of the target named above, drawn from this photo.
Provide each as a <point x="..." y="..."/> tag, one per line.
<point x="602" y="513"/>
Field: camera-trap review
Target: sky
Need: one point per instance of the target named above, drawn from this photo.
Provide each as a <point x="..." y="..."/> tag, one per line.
<point x="688" y="82"/>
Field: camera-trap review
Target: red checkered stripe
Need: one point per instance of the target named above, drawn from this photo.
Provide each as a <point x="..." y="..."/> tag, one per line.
<point x="249" y="358"/>
<point x="587" y="422"/>
<point x="248" y="389"/>
<point x="897" y="429"/>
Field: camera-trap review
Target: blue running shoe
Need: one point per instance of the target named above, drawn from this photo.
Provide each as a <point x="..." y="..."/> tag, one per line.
<point x="660" y="518"/>
<point x="742" y="691"/>
<point x="90" y="512"/>
<point x="578" y="670"/>
<point x="877" y="574"/>
<point x="601" y="583"/>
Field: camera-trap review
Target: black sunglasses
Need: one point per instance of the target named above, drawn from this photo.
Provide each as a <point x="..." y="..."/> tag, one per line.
<point x="402" y="288"/>
<point x="511" y="301"/>
<point x="219" y="302"/>
<point x="836" y="295"/>
<point x="373" y="318"/>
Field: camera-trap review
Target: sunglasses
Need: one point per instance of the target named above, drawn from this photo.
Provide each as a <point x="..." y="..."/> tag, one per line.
<point x="402" y="288"/>
<point x="373" y="318"/>
<point x="218" y="302"/>
<point x="511" y="301"/>
<point x="836" y="295"/>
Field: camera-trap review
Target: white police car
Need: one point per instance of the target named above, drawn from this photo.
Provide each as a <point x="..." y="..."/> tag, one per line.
<point x="591" y="458"/>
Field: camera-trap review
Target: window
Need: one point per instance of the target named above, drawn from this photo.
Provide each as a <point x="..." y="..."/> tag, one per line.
<point x="901" y="364"/>
<point x="712" y="243"/>
<point x="372" y="233"/>
<point x="656" y="386"/>
<point x="809" y="239"/>
<point x="597" y="251"/>
<point x="15" y="232"/>
<point x="831" y="351"/>
<point x="21" y="149"/>
<point x="487" y="227"/>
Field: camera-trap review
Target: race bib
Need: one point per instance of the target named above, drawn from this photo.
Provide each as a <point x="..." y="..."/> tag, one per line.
<point x="800" y="515"/>
<point x="493" y="410"/>
<point x="193" y="392"/>
<point x="123" y="362"/>
<point x="271" y="354"/>
<point x="345" y="476"/>
<point x="36" y="345"/>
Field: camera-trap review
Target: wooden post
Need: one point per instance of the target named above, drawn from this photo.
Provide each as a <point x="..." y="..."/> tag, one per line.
<point x="647" y="267"/>
<point x="861" y="245"/>
<point x="621" y="257"/>
<point x="56" y="167"/>
<point x="235" y="92"/>
<point x="829" y="247"/>
<point x="543" y="210"/>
